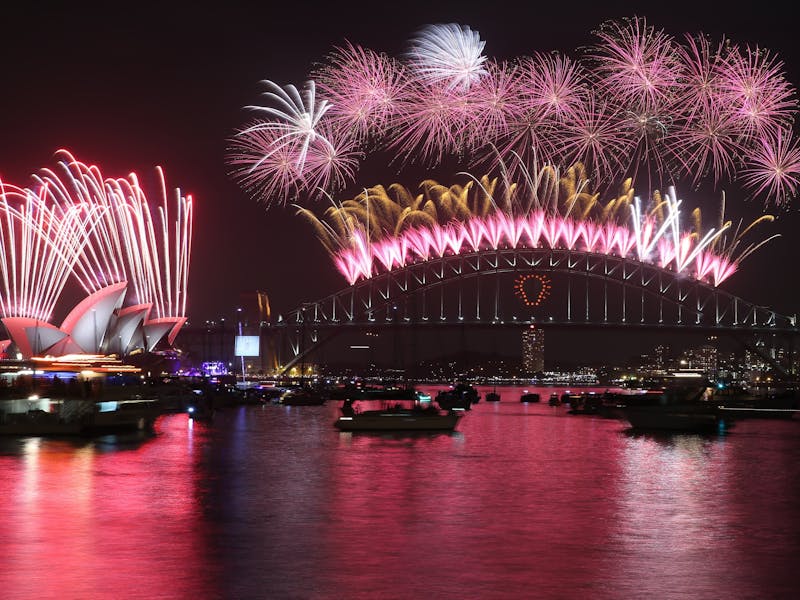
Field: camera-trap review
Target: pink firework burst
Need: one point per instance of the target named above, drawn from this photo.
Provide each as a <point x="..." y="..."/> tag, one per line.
<point x="752" y="80"/>
<point x="774" y="168"/>
<point x="553" y="84"/>
<point x="636" y="64"/>
<point x="531" y="138"/>
<point x="648" y="132"/>
<point x="595" y="137"/>
<point x="429" y="125"/>
<point x="492" y="104"/>
<point x="637" y="105"/>
<point x="266" y="165"/>
<point x="331" y="167"/>
<point x="447" y="54"/>
<point x="700" y="87"/>
<point x="708" y="143"/>
<point x="363" y="87"/>
<point x="274" y="180"/>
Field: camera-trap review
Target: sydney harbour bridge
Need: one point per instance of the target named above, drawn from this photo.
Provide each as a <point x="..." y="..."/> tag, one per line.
<point x="510" y="288"/>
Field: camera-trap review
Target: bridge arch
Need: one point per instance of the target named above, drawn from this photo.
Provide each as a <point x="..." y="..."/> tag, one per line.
<point x="476" y="289"/>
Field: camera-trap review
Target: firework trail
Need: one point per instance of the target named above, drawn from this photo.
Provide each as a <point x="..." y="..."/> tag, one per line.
<point x="40" y="242"/>
<point x="774" y="167"/>
<point x="295" y="152"/>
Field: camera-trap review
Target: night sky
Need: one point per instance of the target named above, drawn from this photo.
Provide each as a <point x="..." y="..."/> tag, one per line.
<point x="135" y="85"/>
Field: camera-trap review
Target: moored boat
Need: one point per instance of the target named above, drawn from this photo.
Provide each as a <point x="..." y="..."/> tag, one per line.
<point x="743" y="404"/>
<point x="397" y="417"/>
<point x="530" y="397"/>
<point x="304" y="396"/>
<point x="678" y="418"/>
<point x="462" y="396"/>
<point x="681" y="406"/>
<point x="585" y="404"/>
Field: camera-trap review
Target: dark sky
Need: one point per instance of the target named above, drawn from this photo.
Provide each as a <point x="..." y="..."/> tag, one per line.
<point x="129" y="86"/>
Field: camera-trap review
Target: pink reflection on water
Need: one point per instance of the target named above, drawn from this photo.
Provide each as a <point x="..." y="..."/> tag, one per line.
<point x="85" y="523"/>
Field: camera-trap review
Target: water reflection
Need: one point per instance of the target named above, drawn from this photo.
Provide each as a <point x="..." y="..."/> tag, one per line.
<point x="111" y="516"/>
<point x="523" y="500"/>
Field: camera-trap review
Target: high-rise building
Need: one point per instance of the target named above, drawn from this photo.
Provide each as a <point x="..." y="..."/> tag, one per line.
<point x="532" y="350"/>
<point x="661" y="356"/>
<point x="704" y="358"/>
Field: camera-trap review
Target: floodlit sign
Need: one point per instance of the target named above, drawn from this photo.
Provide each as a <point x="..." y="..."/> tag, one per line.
<point x="246" y="345"/>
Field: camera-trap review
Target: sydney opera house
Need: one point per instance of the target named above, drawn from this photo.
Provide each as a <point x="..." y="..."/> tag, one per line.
<point x="129" y="259"/>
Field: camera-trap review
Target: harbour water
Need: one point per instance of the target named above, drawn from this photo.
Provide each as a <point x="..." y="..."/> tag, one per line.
<point x="522" y="501"/>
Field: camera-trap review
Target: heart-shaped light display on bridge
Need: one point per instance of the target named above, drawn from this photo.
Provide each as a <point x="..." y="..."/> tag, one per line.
<point x="532" y="289"/>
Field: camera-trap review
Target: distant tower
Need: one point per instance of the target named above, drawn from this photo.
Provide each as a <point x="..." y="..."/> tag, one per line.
<point x="532" y="350"/>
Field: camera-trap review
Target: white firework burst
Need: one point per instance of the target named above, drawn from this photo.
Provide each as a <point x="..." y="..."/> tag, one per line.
<point x="450" y="54"/>
<point x="297" y="121"/>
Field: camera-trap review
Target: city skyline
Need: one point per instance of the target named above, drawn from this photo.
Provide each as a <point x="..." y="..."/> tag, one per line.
<point x="174" y="100"/>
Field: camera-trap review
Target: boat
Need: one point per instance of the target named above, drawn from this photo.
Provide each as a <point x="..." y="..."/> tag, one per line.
<point x="585" y="404"/>
<point x="493" y="397"/>
<point x="554" y="400"/>
<point x="740" y="403"/>
<point x="398" y="417"/>
<point x="680" y="418"/>
<point x="304" y="396"/>
<point x="75" y="396"/>
<point x="680" y="406"/>
<point x="462" y="396"/>
<point x="373" y="392"/>
<point x="530" y="397"/>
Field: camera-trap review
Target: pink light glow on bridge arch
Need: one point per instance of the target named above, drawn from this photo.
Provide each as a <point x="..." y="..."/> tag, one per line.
<point x="681" y="252"/>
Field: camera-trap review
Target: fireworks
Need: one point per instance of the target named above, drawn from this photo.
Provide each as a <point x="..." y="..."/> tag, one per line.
<point x="75" y="222"/>
<point x="363" y="87"/>
<point x="39" y="244"/>
<point x="384" y="229"/>
<point x="448" y="54"/>
<point x="775" y="167"/>
<point x="638" y="103"/>
<point x="295" y="152"/>
<point x="638" y="109"/>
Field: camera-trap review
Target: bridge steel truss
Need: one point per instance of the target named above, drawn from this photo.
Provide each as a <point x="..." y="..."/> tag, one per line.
<point x="474" y="290"/>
